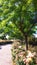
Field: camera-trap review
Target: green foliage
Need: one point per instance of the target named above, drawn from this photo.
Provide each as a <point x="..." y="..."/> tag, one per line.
<point x="21" y="15"/>
<point x="20" y="63"/>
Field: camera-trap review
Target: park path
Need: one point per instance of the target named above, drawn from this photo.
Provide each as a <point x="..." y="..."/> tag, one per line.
<point x="5" y="55"/>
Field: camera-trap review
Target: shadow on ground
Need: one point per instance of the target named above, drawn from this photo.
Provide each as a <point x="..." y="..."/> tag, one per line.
<point x="6" y="42"/>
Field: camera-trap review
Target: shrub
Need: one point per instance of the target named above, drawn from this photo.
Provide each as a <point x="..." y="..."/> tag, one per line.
<point x="22" y="57"/>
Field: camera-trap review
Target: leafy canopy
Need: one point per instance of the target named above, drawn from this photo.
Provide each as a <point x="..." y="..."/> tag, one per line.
<point x="18" y="18"/>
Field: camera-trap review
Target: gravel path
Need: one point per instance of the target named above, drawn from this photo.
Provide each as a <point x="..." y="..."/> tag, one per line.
<point x="5" y="55"/>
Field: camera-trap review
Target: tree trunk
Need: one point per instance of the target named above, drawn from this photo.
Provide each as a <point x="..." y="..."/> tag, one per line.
<point x="26" y="41"/>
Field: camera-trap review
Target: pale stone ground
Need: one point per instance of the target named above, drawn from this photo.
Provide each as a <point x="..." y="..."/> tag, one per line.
<point x="5" y="55"/>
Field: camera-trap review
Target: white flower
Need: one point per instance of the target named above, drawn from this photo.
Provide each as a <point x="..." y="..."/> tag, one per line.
<point x="20" y="46"/>
<point x="30" y="54"/>
<point x="34" y="53"/>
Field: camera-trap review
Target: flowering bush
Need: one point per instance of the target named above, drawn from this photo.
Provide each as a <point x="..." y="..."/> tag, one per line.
<point x="22" y="57"/>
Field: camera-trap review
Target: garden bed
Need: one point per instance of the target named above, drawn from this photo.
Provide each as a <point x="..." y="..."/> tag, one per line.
<point x="22" y="57"/>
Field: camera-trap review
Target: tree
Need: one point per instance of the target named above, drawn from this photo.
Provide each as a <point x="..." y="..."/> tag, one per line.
<point x="22" y="15"/>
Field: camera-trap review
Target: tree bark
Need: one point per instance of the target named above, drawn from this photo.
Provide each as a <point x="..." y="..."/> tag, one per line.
<point x="26" y="41"/>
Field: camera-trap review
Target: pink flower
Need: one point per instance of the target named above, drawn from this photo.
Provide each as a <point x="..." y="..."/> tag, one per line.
<point x="20" y="54"/>
<point x="24" y="60"/>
